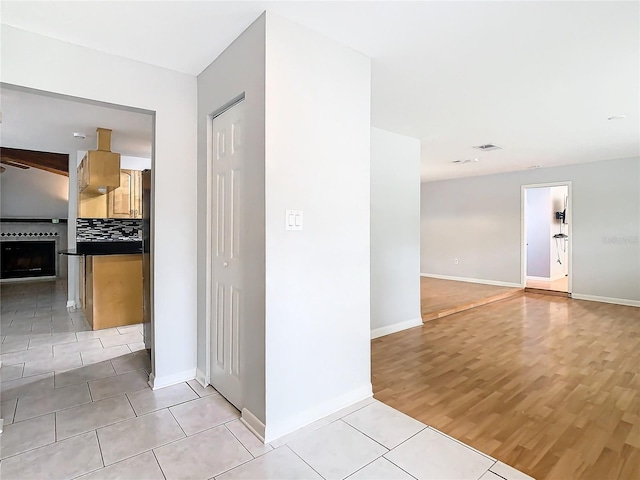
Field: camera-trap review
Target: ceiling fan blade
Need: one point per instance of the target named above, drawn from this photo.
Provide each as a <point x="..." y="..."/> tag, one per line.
<point x="13" y="164"/>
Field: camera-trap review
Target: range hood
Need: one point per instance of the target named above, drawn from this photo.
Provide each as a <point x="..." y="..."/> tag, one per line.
<point x="99" y="171"/>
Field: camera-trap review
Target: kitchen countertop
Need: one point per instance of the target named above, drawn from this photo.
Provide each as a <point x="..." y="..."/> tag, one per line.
<point x="104" y="248"/>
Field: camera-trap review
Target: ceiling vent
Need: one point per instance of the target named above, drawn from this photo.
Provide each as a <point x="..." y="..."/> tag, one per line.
<point x="488" y="147"/>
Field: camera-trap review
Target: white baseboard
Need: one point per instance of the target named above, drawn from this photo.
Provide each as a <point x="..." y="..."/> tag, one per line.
<point x="472" y="280"/>
<point x="297" y="421"/>
<point x="617" y="301"/>
<point x="253" y="423"/>
<point x="396" y="327"/>
<point x="201" y="378"/>
<point x="168" y="380"/>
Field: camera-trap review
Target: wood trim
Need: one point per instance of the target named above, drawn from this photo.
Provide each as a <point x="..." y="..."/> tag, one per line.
<point x="426" y="317"/>
<point x="57" y="163"/>
<point x="542" y="291"/>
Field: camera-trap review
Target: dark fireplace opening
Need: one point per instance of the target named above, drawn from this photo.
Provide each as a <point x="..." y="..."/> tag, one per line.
<point x="26" y="259"/>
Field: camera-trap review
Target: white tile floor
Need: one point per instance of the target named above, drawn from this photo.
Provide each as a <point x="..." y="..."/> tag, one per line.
<point x="76" y="404"/>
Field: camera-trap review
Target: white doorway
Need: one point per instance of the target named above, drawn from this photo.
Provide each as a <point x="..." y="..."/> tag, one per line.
<point x="225" y="265"/>
<point x="546" y="237"/>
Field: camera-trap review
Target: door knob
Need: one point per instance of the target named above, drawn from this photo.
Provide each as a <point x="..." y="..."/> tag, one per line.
<point x="225" y="264"/>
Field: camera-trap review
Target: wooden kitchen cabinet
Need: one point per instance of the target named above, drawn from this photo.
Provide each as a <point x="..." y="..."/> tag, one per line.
<point x="122" y="202"/>
<point x="113" y="290"/>
<point x="92" y="205"/>
<point x="99" y="170"/>
<point x="126" y="200"/>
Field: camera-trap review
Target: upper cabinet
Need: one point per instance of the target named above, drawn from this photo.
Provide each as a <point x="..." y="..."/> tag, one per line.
<point x="122" y="202"/>
<point x="126" y="200"/>
<point x="99" y="171"/>
<point x="104" y="190"/>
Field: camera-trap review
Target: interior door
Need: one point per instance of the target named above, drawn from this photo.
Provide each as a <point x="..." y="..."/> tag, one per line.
<point x="226" y="268"/>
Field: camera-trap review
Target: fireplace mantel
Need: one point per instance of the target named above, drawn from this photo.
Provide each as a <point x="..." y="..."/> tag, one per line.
<point x="32" y="220"/>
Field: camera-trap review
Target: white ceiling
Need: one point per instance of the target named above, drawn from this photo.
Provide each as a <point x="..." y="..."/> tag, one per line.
<point x="538" y="78"/>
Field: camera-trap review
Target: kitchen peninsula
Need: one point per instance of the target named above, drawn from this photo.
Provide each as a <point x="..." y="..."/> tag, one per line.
<point x="110" y="282"/>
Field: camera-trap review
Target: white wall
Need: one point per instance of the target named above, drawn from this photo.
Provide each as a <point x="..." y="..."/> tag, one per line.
<point x="86" y="73"/>
<point x="558" y="247"/>
<point x="73" y="280"/>
<point x="134" y="163"/>
<point x="478" y="221"/>
<point x="318" y="279"/>
<point x="240" y="68"/>
<point x="309" y="312"/>
<point x="33" y="193"/>
<point x="538" y="231"/>
<point x="395" y="232"/>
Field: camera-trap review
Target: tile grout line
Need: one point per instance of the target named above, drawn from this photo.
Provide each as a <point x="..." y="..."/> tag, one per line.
<point x="168" y="443"/>
<point x="90" y="394"/>
<point x="405" y="441"/>
<point x="176" y="420"/>
<point x="463" y="444"/>
<point x="144" y="451"/>
<point x="253" y="457"/>
<point x="392" y="463"/>
<point x="158" y="462"/>
<point x="237" y="466"/>
<point x="194" y="390"/>
<point x="385" y="458"/>
<point x="370" y="438"/>
<point x="99" y="447"/>
<point x="95" y="429"/>
<point x="32" y="449"/>
<point x="498" y="475"/>
<point x="15" y="409"/>
<point x="126" y="394"/>
<point x="286" y="445"/>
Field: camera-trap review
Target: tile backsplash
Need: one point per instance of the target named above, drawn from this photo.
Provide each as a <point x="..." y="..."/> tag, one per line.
<point x="108" y="229"/>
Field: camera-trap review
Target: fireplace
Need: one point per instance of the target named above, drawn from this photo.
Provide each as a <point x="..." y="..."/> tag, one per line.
<point x="27" y="259"/>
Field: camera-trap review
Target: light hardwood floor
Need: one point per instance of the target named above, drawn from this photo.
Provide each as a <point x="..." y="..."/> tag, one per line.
<point x="439" y="298"/>
<point x="547" y="384"/>
<point x="560" y="285"/>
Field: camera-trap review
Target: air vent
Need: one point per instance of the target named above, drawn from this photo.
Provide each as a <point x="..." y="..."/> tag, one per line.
<point x="487" y="147"/>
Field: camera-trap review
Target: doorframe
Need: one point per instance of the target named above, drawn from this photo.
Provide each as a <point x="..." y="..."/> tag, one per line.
<point x="209" y="237"/>
<point x="523" y="230"/>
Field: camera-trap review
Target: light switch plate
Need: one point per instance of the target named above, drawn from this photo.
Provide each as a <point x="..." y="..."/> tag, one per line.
<point x="293" y="220"/>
